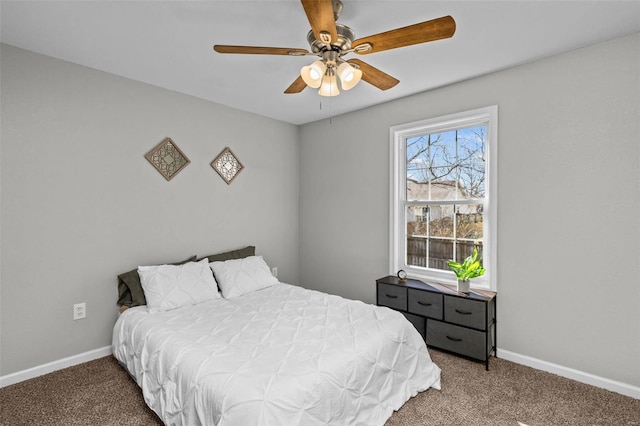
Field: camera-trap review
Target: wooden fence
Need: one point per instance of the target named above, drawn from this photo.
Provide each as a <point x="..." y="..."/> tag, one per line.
<point x="440" y="251"/>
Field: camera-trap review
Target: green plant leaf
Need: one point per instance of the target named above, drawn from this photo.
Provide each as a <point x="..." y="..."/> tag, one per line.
<point x="469" y="268"/>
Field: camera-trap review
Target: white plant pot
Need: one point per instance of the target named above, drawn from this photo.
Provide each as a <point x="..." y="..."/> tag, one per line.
<point x="464" y="286"/>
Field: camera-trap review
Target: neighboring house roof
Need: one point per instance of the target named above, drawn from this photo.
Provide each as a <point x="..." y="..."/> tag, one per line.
<point x="445" y="190"/>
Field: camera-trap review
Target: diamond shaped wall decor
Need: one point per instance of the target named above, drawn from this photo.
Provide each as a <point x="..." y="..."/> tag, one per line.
<point x="227" y="165"/>
<point x="167" y="158"/>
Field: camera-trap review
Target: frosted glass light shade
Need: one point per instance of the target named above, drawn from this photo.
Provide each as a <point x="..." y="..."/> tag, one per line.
<point x="329" y="86"/>
<point x="349" y="75"/>
<point x="312" y="74"/>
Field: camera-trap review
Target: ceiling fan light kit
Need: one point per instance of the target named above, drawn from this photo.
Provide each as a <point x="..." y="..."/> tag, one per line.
<point x="329" y="86"/>
<point x="322" y="74"/>
<point x="331" y="41"/>
<point x="313" y="74"/>
<point x="349" y="75"/>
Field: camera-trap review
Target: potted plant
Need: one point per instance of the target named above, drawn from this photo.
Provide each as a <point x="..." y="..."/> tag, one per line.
<point x="469" y="268"/>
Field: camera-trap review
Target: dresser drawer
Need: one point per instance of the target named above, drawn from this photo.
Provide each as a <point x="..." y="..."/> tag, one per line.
<point x="425" y="303"/>
<point x="417" y="321"/>
<point x="465" y="312"/>
<point x="392" y="296"/>
<point x="460" y="340"/>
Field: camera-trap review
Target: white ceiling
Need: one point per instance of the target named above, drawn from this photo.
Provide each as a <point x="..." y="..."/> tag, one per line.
<point x="169" y="43"/>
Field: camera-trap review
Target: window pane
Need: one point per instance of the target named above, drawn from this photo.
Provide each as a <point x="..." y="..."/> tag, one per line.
<point x="434" y="190"/>
<point x="464" y="249"/>
<point x="469" y="222"/>
<point x="440" y="252"/>
<point x="417" y="251"/>
<point x="442" y="149"/>
<point x="417" y="219"/>
<point x="416" y="146"/>
<point x="444" y="184"/>
<point x="471" y="156"/>
<point x="469" y="230"/>
<point x="471" y="144"/>
<point x="417" y="191"/>
<point x="471" y="181"/>
<point x="417" y="154"/>
<point x="441" y="221"/>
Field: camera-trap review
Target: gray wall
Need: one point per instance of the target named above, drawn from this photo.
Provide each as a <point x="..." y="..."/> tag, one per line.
<point x="569" y="197"/>
<point x="80" y="203"/>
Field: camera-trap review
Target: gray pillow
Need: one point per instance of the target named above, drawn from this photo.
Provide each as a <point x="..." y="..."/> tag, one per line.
<point x="233" y="254"/>
<point x="130" y="291"/>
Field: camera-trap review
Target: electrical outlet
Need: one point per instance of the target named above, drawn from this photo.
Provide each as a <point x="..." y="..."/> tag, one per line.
<point x="274" y="271"/>
<point x="79" y="311"/>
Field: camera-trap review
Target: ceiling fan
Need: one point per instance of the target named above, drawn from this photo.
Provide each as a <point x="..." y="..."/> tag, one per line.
<point x="331" y="41"/>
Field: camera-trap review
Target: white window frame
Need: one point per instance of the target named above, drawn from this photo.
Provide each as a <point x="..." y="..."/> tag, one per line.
<point x="398" y="180"/>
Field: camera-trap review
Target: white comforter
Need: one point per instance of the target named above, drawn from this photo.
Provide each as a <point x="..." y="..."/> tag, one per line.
<point x="278" y="356"/>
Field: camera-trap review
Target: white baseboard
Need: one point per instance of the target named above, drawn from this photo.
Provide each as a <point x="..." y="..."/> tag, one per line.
<point x="50" y="367"/>
<point x="570" y="373"/>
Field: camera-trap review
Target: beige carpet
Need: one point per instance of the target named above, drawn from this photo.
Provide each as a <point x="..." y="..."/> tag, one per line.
<point x="100" y="392"/>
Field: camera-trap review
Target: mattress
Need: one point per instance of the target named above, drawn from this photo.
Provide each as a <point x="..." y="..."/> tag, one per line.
<point x="282" y="355"/>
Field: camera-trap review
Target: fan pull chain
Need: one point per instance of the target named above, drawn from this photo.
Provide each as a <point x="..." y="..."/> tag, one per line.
<point x="330" y="111"/>
<point x="330" y="104"/>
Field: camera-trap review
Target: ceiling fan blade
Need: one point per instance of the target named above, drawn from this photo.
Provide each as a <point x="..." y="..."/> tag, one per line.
<point x="320" y="16"/>
<point x="423" y="32"/>
<point x="374" y="76"/>
<point x="296" y="87"/>
<point x="255" y="50"/>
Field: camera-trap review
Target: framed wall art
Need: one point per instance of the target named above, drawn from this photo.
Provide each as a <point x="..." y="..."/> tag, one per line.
<point x="227" y="165"/>
<point x="167" y="158"/>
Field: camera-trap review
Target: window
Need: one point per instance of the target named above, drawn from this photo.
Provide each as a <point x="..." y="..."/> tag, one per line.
<point x="443" y="195"/>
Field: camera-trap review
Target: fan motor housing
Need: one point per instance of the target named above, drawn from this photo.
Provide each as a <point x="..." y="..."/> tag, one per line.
<point x="345" y="37"/>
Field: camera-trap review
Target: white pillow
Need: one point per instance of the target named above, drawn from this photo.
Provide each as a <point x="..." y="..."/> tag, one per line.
<point x="240" y="276"/>
<point x="169" y="287"/>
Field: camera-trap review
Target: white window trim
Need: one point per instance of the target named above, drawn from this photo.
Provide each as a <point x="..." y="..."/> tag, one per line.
<point x="398" y="134"/>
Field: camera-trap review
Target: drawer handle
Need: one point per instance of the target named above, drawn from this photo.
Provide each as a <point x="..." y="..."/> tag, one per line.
<point x="463" y="312"/>
<point x="423" y="303"/>
<point x="391" y="296"/>
<point x="455" y="339"/>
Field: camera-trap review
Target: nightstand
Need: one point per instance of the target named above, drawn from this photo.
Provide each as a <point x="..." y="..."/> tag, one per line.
<point x="463" y="324"/>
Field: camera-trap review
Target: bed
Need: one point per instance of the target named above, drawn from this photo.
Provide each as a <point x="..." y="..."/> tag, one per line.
<point x="263" y="352"/>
